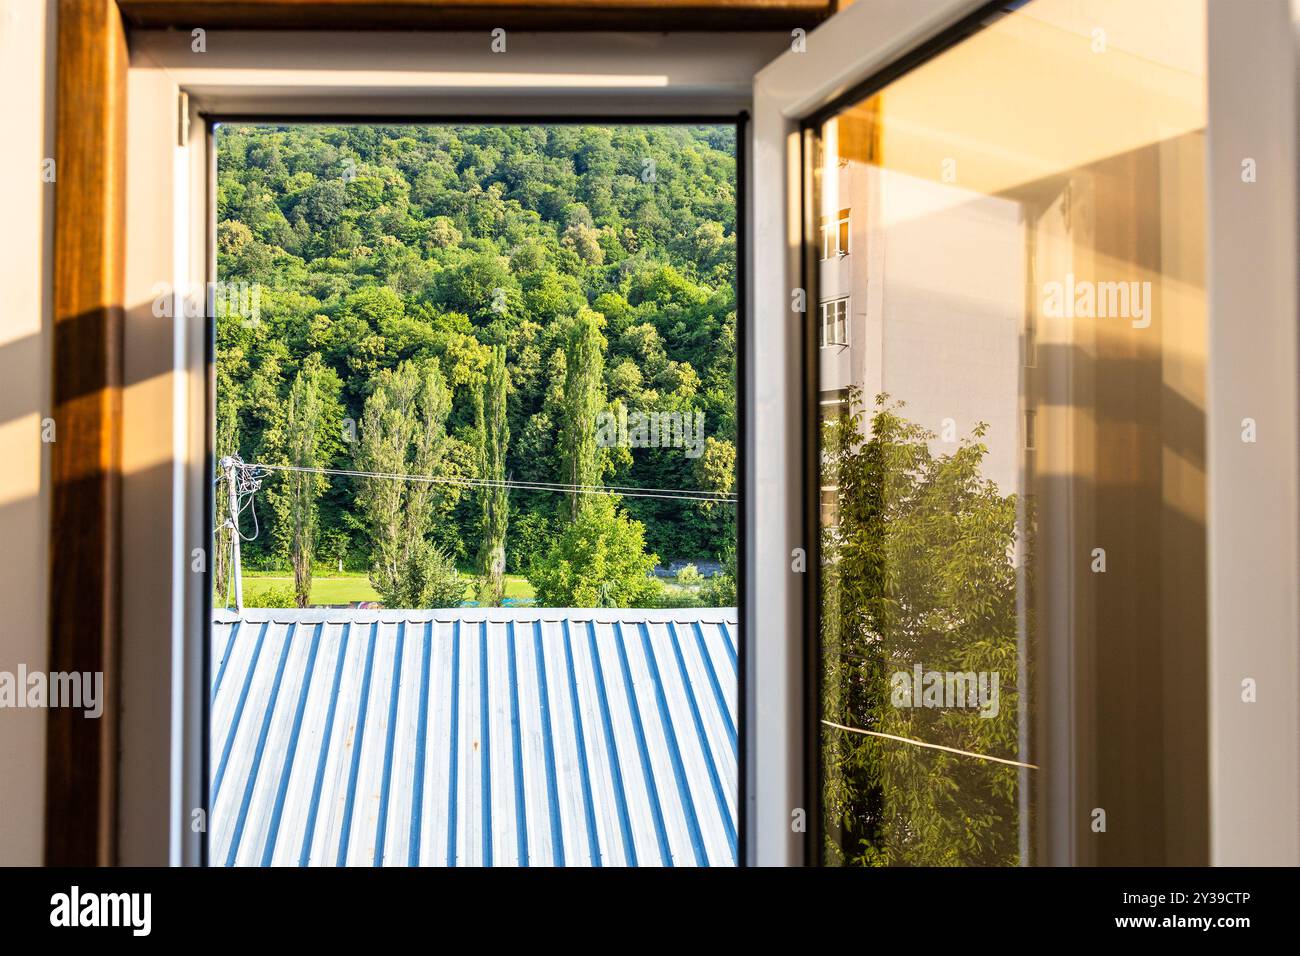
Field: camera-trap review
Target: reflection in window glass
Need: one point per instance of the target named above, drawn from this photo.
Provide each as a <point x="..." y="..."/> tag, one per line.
<point x="835" y="323"/>
<point x="835" y="235"/>
<point x="1012" y="451"/>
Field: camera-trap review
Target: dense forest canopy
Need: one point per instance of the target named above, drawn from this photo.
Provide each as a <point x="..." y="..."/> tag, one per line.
<point x="407" y="260"/>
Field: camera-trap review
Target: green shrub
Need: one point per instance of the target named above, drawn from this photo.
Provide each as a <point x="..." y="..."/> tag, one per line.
<point x="599" y="560"/>
<point x="720" y="590"/>
<point x="689" y="575"/>
<point x="428" y="579"/>
<point x="671" y="598"/>
<point x="275" y="597"/>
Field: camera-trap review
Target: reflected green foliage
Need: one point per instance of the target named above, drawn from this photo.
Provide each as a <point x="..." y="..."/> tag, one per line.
<point x="919" y="567"/>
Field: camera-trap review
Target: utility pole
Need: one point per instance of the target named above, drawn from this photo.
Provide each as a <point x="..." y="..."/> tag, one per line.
<point x="230" y="463"/>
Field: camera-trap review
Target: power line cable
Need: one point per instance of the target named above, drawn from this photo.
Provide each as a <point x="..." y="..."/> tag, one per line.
<point x="929" y="746"/>
<point x="669" y="494"/>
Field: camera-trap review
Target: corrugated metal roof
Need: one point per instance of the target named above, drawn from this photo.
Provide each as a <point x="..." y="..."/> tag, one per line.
<point x="474" y="737"/>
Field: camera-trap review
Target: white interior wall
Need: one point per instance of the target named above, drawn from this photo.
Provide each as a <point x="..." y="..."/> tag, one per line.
<point x="27" y="37"/>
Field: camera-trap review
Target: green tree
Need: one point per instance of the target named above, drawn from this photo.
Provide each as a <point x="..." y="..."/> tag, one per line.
<point x="598" y="560"/>
<point x="403" y="434"/>
<point x="301" y="439"/>
<point x="715" y="471"/>
<point x="918" y="569"/>
<point x="450" y="240"/>
<point x="494" y="439"/>
<point x="583" y="399"/>
<point x="335" y="543"/>
<point x="531" y="534"/>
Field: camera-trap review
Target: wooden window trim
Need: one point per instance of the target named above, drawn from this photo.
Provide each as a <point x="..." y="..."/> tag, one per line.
<point x="693" y="15"/>
<point x="86" y="396"/>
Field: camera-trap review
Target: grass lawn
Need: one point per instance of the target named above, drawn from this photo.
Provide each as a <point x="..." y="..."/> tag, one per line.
<point x="350" y="586"/>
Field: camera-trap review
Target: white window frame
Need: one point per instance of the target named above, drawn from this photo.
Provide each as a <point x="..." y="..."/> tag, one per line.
<point x="831" y="315"/>
<point x="832" y="248"/>
<point x="668" y="77"/>
<point x="1254" y="364"/>
<point x="1253" y="489"/>
<point x="1254" y="500"/>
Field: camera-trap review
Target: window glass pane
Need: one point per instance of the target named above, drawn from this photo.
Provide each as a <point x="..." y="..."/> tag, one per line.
<point x="1014" y="493"/>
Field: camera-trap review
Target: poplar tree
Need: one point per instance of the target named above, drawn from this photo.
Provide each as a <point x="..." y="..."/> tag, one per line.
<point x="583" y="399"/>
<point x="301" y="439"/>
<point x="494" y="441"/>
<point x="404" y="433"/>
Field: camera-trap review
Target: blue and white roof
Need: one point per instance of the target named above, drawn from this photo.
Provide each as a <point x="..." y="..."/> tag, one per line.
<point x="474" y="736"/>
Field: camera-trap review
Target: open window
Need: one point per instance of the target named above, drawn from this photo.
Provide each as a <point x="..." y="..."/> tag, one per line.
<point x="991" y="420"/>
<point x="1030" y="387"/>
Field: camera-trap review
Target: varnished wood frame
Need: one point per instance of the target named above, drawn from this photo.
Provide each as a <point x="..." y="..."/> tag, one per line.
<point x="698" y="15"/>
<point x="85" y="565"/>
<point x="86" y="399"/>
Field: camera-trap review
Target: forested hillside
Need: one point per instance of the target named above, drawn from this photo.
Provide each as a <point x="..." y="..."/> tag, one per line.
<point x="422" y="276"/>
